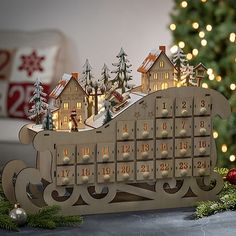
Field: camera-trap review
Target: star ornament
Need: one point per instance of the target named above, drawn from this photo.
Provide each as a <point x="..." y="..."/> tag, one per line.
<point x="31" y="63"/>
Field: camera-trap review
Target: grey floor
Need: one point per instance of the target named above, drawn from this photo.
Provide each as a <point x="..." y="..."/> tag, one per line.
<point x="174" y="222"/>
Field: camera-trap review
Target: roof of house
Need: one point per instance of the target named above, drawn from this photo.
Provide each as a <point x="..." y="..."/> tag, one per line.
<point x="62" y="85"/>
<point x="151" y="59"/>
<point x="199" y="65"/>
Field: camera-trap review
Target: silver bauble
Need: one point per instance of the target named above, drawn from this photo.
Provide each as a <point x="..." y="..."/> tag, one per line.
<point x="18" y="215"/>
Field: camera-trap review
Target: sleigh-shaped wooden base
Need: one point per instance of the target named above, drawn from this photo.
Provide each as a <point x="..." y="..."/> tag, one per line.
<point x="158" y="153"/>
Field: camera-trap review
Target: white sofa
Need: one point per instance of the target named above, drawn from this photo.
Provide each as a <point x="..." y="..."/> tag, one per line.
<point x="10" y="147"/>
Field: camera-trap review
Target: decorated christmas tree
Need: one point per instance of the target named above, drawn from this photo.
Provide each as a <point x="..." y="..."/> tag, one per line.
<point x="205" y="30"/>
<point x="38" y="101"/>
<point x="122" y="71"/>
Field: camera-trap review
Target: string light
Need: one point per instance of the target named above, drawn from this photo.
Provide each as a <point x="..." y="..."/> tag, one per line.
<point x="224" y="148"/>
<point x="174" y="49"/>
<point x="181" y="44"/>
<point x="218" y="78"/>
<point x="232" y="158"/>
<point x="195" y="52"/>
<point x="211" y="77"/>
<point x="204" y="85"/>
<point x="195" y="25"/>
<point x="184" y="4"/>
<point x="201" y="34"/>
<point x="209" y="71"/>
<point x="232" y="37"/>
<point x="189" y="56"/>
<point x="232" y="86"/>
<point x="173" y="27"/>
<point x="203" y="42"/>
<point x="203" y="1"/>
<point x="208" y="27"/>
<point x="215" y="134"/>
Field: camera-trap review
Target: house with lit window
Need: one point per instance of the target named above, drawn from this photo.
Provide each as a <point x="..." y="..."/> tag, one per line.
<point x="69" y="97"/>
<point x="157" y="71"/>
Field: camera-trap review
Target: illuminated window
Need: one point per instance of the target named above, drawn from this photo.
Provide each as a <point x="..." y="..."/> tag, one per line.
<point x="80" y="119"/>
<point x="155" y="87"/>
<point x="65" y="119"/>
<point x="161" y="64"/>
<point x="66" y="105"/>
<point x="155" y="76"/>
<point x="164" y="86"/>
<point x="166" y="75"/>
<point x="78" y="105"/>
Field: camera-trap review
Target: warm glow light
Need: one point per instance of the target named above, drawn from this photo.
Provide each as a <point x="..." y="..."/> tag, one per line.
<point x="224" y="148"/>
<point x="232" y="37"/>
<point x="195" y="52"/>
<point x="184" y="4"/>
<point x="173" y="27"/>
<point x="201" y="34"/>
<point x="195" y="25"/>
<point x="215" y="134"/>
<point x="208" y="27"/>
<point x="209" y="71"/>
<point x="181" y="44"/>
<point x="70" y="124"/>
<point x="211" y="77"/>
<point x="174" y="49"/>
<point x="232" y="86"/>
<point x="204" y="85"/>
<point x="203" y="42"/>
<point x="218" y="78"/>
<point x="232" y="158"/>
<point x="203" y="0"/>
<point x="189" y="56"/>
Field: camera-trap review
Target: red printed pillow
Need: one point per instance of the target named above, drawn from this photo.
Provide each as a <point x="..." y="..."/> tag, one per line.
<point x="28" y="64"/>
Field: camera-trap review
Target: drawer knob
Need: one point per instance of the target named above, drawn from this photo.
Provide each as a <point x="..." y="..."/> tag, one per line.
<point x="164" y="112"/>
<point x="86" y="158"/>
<point x="183" y="132"/>
<point x="65" y="181"/>
<point x="66" y="160"/>
<point x="126" y="155"/>
<point x="202" y="131"/>
<point x="105" y="157"/>
<point x="106" y="178"/>
<point x="203" y="111"/>
<point x="125" y="135"/>
<point x="125" y="176"/>
<point x="183" y="173"/>
<point x="145" y="134"/>
<point x="202" y="171"/>
<point x="183" y="152"/>
<point x="146" y="175"/>
<point x="164" y="134"/>
<point x="85" y="179"/>
<point x="164" y="173"/>
<point x="184" y="112"/>
<point x="144" y="155"/>
<point x="202" y="150"/>
<point x="164" y="154"/>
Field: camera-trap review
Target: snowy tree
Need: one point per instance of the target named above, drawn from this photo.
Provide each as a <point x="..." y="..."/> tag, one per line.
<point x="122" y="71"/>
<point x="188" y="76"/>
<point x="48" y="121"/>
<point x="38" y="101"/>
<point x="179" y="61"/>
<point x="108" y="116"/>
<point x="105" y="77"/>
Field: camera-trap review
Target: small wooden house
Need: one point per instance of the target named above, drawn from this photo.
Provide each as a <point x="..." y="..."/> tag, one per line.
<point x="69" y="97"/>
<point x="157" y="71"/>
<point x="199" y="72"/>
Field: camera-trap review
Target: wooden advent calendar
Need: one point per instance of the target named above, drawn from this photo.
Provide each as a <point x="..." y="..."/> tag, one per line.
<point x="158" y="153"/>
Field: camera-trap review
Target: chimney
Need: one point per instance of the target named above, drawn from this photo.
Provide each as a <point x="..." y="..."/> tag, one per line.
<point x="75" y="75"/>
<point x="162" y="48"/>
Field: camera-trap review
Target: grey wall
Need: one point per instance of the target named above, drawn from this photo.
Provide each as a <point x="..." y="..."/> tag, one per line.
<point x="96" y="29"/>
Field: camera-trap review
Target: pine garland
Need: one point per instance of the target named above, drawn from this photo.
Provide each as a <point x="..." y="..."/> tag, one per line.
<point x="227" y="200"/>
<point x="48" y="217"/>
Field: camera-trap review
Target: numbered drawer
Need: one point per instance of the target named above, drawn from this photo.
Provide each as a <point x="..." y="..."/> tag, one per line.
<point x="106" y="173"/>
<point x="145" y="170"/>
<point x="125" y="130"/>
<point x="164" y="148"/>
<point x="183" y="107"/>
<point x="125" y="172"/>
<point x="201" y="166"/>
<point x="202" y="106"/>
<point x="183" y="167"/>
<point x="202" y="126"/>
<point x="65" y="154"/>
<point x="164" y="128"/>
<point x="86" y="153"/>
<point x="144" y="129"/>
<point x="164" y="107"/>
<point x="164" y="169"/>
<point x="183" y="127"/>
<point x="85" y="174"/>
<point x="105" y="152"/>
<point x="183" y="147"/>
<point x="202" y="146"/>
<point x="145" y="150"/>
<point x="125" y="151"/>
<point x="65" y="175"/>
